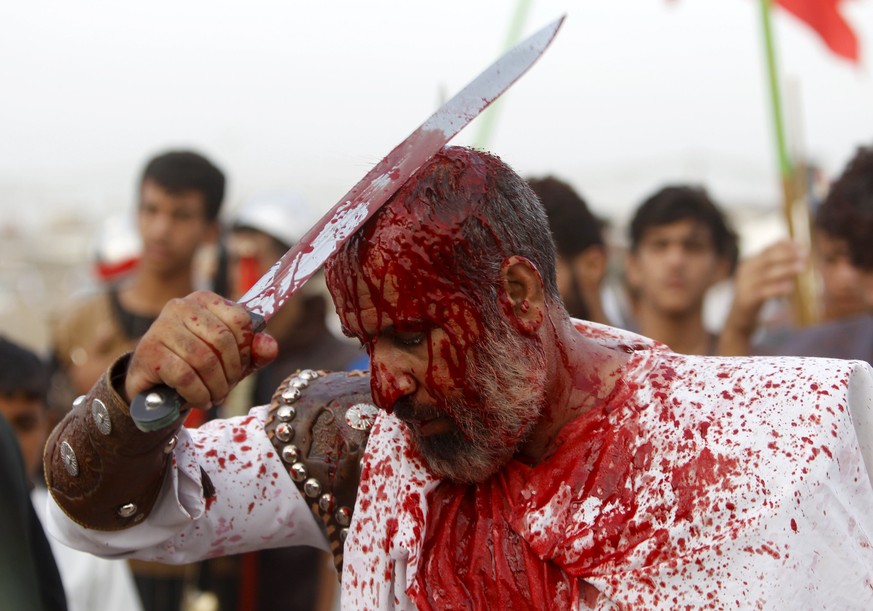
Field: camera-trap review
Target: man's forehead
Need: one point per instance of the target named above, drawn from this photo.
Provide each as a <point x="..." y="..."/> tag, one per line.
<point x="372" y="303"/>
<point x="152" y="191"/>
<point x="680" y="228"/>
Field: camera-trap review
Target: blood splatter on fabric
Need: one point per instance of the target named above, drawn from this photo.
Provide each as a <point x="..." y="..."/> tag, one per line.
<point x="670" y="496"/>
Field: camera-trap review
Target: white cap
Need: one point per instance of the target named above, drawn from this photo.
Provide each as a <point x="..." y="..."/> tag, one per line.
<point x="283" y="215"/>
<point x="117" y="246"/>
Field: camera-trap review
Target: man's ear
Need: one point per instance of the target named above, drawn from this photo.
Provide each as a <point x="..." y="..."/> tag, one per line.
<point x="522" y="298"/>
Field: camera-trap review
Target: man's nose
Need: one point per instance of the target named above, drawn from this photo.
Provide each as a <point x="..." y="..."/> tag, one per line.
<point x="390" y="378"/>
<point x="159" y="225"/>
<point x="676" y="254"/>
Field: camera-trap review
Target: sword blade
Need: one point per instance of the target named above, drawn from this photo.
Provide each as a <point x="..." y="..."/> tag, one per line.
<point x="161" y="406"/>
<point x="354" y="209"/>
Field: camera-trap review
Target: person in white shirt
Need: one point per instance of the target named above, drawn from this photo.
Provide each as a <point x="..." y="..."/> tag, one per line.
<point x="90" y="583"/>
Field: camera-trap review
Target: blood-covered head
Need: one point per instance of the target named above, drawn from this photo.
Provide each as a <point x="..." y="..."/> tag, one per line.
<point x="420" y="286"/>
<point x="443" y="236"/>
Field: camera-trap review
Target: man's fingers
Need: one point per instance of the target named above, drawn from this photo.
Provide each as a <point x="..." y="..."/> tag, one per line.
<point x="230" y="325"/>
<point x="179" y="375"/>
<point x="212" y="350"/>
<point x="199" y="345"/>
<point x="264" y="349"/>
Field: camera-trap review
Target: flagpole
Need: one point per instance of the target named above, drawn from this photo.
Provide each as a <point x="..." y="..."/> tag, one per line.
<point x="803" y="299"/>
<point x="489" y="116"/>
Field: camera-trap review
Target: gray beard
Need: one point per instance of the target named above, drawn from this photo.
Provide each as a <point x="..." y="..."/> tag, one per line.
<point x="508" y="374"/>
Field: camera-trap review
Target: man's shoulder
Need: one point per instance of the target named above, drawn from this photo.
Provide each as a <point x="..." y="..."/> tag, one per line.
<point x="614" y="336"/>
<point x="850" y="338"/>
<point x="91" y="303"/>
<point x="81" y="312"/>
<point x="88" y="323"/>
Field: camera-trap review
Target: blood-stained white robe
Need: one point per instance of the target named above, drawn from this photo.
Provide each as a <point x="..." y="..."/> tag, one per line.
<point x="703" y="482"/>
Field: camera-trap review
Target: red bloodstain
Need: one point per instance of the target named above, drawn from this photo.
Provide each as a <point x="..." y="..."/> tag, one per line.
<point x="472" y="549"/>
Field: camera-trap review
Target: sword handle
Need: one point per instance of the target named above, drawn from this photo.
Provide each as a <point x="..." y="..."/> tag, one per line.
<point x="161" y="406"/>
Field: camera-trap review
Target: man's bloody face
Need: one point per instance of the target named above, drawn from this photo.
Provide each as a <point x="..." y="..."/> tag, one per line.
<point x="468" y="386"/>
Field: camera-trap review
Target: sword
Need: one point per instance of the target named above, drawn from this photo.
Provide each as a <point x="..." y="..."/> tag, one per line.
<point x="161" y="405"/>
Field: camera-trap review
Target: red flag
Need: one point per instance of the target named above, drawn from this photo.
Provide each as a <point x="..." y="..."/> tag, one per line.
<point x="824" y="17"/>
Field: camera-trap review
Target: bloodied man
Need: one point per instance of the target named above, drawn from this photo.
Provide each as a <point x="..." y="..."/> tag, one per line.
<point x="520" y="458"/>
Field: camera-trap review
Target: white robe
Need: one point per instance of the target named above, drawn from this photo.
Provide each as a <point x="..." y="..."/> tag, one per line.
<point x="787" y="523"/>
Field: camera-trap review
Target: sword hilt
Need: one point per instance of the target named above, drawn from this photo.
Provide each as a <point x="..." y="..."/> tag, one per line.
<point x="161" y="406"/>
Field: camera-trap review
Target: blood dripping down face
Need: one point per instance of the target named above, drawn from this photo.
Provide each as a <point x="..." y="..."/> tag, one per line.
<point x="419" y="286"/>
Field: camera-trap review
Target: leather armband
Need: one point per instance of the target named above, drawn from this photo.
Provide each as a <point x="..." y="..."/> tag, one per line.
<point x="319" y="424"/>
<point x="101" y="470"/>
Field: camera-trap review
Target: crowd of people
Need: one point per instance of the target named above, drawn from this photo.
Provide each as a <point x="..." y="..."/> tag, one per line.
<point x="496" y="417"/>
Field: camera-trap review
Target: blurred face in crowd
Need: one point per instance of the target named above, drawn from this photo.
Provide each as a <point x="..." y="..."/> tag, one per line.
<point x="173" y="226"/>
<point x="29" y="419"/>
<point x="673" y="267"/>
<point x="843" y="284"/>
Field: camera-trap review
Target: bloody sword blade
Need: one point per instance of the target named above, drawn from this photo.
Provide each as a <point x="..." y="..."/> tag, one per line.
<point x="381" y="182"/>
<point x="161" y="406"/>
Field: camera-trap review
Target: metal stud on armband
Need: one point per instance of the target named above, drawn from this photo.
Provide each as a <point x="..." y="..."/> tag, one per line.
<point x="298" y="472"/>
<point x="312" y="488"/>
<point x="325" y="502"/>
<point x="308" y="374"/>
<point x="361" y="416"/>
<point x="286" y="413"/>
<point x="170" y="445"/>
<point x="298" y="383"/>
<point x="290" y="454"/>
<point x="68" y="457"/>
<point x="127" y="510"/>
<point x="78" y="400"/>
<point x="101" y="418"/>
<point x="290" y="395"/>
<point x="284" y="432"/>
<point x="343" y="516"/>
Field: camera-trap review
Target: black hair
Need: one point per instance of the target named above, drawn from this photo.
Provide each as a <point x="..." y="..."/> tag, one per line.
<point x="178" y="171"/>
<point x="573" y="225"/>
<point x="22" y="372"/>
<point x="682" y="202"/>
<point x="847" y="211"/>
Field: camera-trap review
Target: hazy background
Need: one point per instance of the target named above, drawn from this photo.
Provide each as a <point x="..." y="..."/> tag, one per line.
<point x="632" y="94"/>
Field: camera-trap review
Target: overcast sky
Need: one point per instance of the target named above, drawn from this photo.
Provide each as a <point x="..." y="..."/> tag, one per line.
<point x="309" y="95"/>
